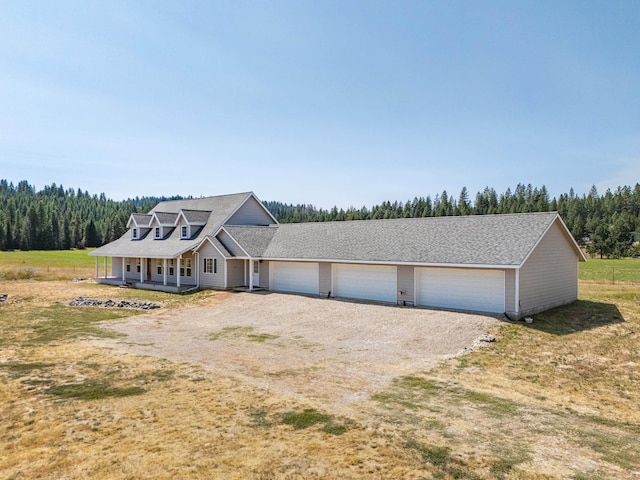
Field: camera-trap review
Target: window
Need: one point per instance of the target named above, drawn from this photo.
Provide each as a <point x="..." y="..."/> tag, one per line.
<point x="158" y="232"/>
<point x="184" y="231"/>
<point x="159" y="268"/>
<point x="138" y="265"/>
<point x="171" y="271"/>
<point x="128" y="267"/>
<point x="256" y="268"/>
<point x="210" y="265"/>
<point x="186" y="266"/>
<point x="134" y="233"/>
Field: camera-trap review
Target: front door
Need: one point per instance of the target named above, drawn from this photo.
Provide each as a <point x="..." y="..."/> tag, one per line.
<point x="256" y="274"/>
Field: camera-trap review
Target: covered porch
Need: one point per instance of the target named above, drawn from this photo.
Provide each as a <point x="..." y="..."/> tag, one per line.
<point x="171" y="275"/>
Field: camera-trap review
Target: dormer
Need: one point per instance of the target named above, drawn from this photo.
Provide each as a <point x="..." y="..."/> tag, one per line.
<point x="190" y="221"/>
<point x="139" y="225"/>
<point x="162" y="224"/>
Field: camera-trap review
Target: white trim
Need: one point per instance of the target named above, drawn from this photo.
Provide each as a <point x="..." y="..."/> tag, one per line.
<point x="123" y="270"/>
<point x="517" y="291"/>
<point x="567" y="234"/>
<point x="236" y="242"/>
<point x="208" y="238"/>
<point x="164" y="272"/>
<point x="377" y="262"/>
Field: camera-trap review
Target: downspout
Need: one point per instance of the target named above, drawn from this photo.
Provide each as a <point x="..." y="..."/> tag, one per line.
<point x="517" y="293"/>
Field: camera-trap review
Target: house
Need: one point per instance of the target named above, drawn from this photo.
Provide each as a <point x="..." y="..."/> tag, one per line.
<point x="517" y="264"/>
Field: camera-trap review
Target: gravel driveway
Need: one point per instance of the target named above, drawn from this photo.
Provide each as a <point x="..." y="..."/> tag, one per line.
<point x="334" y="351"/>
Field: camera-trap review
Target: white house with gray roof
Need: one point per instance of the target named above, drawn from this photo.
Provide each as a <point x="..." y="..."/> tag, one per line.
<point x="517" y="264"/>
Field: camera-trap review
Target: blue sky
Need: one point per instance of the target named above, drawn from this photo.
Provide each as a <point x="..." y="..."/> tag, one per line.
<point x="345" y="103"/>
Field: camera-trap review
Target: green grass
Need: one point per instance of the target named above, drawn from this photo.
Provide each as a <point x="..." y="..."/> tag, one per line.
<point x="611" y="271"/>
<point x="92" y="390"/>
<point x="261" y="337"/>
<point x="17" y="369"/>
<point x="46" y="264"/>
<point x="310" y="417"/>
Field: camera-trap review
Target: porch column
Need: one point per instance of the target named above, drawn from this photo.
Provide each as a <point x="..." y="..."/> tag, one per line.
<point x="97" y="273"/>
<point x="105" y="267"/>
<point x="178" y="272"/>
<point x="142" y="270"/>
<point x="123" y="270"/>
<point x="244" y="268"/>
<point x="164" y="272"/>
<point x="250" y="275"/>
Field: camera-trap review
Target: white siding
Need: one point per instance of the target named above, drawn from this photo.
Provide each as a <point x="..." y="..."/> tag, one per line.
<point x="460" y="289"/>
<point x="549" y="277"/>
<point x="116" y="267"/>
<point x="510" y="291"/>
<point x="264" y="274"/>
<point x="298" y="277"/>
<point x="368" y="282"/>
<point x="250" y="213"/>
<point x="211" y="280"/>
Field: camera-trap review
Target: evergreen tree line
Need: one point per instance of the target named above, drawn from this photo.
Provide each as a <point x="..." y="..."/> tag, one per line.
<point x="606" y="224"/>
<point x="55" y="218"/>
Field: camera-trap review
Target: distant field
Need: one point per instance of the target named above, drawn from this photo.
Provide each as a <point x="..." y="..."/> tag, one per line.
<point x="610" y="271"/>
<point x="46" y="265"/>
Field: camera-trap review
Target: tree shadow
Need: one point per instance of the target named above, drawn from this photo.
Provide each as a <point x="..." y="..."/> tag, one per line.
<point x="578" y="316"/>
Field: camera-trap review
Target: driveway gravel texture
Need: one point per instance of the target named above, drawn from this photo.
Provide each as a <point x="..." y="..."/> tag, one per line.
<point x="332" y="351"/>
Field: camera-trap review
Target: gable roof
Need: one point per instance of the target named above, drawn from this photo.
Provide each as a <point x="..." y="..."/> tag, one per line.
<point x="165" y="218"/>
<point x="479" y="240"/>
<point x="212" y="211"/>
<point x="140" y="219"/>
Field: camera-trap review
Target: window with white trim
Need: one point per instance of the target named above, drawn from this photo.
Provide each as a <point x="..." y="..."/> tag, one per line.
<point x="158" y="232"/>
<point x="128" y="267"/>
<point x="138" y="265"/>
<point x="134" y="233"/>
<point x="210" y="265"/>
<point x="171" y="270"/>
<point x="159" y="266"/>
<point x="185" y="267"/>
<point x="184" y="231"/>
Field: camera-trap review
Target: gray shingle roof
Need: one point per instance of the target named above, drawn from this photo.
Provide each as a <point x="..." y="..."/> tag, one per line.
<point x="463" y="240"/>
<point x="196" y="216"/>
<point x="166" y="218"/>
<point x="218" y="209"/>
<point x="142" y="219"/>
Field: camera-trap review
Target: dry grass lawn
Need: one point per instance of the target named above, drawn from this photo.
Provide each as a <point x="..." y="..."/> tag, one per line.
<point x="555" y="399"/>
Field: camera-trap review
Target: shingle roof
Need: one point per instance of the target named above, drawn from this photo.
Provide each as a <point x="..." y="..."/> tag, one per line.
<point x="166" y="218"/>
<point x="462" y="240"/>
<point x="142" y="219"/>
<point x="220" y="208"/>
<point x="196" y="216"/>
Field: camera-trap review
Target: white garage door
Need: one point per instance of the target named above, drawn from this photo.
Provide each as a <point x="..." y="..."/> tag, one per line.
<point x="298" y="277"/>
<point x="462" y="289"/>
<point x="369" y="282"/>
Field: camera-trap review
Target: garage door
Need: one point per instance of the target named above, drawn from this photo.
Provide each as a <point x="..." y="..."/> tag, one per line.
<point x="298" y="277"/>
<point x="369" y="282"/>
<point x="462" y="289"/>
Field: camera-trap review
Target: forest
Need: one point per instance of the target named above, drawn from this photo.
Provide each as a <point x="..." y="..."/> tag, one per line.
<point x="56" y="218"/>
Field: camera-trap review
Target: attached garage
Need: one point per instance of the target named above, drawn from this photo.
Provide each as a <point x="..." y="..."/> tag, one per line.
<point x="367" y="282"/>
<point x="297" y="277"/>
<point x="461" y="289"/>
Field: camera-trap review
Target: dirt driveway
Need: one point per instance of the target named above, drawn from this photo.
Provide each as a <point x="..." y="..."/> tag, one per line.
<point x="331" y="351"/>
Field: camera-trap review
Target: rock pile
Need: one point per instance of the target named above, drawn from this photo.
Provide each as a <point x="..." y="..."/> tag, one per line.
<point x="3" y="297"/>
<point x="92" y="302"/>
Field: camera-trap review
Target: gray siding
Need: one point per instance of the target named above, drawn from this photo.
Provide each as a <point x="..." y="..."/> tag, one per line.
<point x="549" y="277"/>
<point x="264" y="275"/>
<point x="250" y="213"/>
<point x="235" y="273"/>
<point x="211" y="280"/>
<point x="325" y="279"/>
<point x="116" y="267"/>
<point x="405" y="284"/>
<point x="230" y="245"/>
<point x="510" y="292"/>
